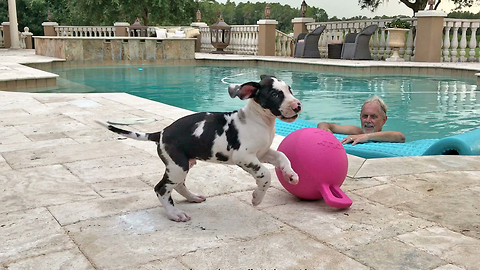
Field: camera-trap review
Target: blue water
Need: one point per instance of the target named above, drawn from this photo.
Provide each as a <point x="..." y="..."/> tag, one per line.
<point x="421" y="108"/>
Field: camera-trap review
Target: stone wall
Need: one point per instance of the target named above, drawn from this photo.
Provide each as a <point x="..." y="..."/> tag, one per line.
<point x="115" y="48"/>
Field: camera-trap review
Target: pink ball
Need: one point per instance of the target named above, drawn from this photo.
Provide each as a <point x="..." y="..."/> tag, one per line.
<point x="321" y="163"/>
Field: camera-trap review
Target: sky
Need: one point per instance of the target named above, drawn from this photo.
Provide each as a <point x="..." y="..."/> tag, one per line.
<point x="351" y="8"/>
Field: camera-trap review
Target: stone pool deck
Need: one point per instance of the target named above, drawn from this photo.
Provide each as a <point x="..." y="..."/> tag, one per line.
<point x="75" y="196"/>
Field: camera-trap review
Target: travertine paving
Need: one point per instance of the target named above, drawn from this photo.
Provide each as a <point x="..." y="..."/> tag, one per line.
<point x="75" y="196"/>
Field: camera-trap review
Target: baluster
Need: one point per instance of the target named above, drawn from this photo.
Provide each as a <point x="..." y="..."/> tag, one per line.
<point x="375" y="45"/>
<point x="453" y="52"/>
<point x="463" y="41"/>
<point x="473" y="42"/>
<point x="255" y="40"/>
<point x="409" y="50"/>
<point x="381" y="49"/>
<point x="446" y="42"/>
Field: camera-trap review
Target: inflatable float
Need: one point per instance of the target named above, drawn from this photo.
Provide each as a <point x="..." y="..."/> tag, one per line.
<point x="467" y="143"/>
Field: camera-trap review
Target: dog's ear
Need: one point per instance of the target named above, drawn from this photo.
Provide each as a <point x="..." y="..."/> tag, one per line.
<point x="244" y="91"/>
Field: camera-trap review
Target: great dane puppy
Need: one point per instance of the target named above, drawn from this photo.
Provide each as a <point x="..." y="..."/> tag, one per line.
<point x="240" y="137"/>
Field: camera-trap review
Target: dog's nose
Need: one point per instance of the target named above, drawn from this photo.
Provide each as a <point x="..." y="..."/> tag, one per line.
<point x="297" y="108"/>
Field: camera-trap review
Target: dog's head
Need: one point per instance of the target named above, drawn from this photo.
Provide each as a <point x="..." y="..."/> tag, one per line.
<point x="271" y="94"/>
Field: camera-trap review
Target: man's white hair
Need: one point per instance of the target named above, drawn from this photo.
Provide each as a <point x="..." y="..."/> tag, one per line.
<point x="376" y="99"/>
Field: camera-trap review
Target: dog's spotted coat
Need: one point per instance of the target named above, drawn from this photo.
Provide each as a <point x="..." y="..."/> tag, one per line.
<point x="241" y="137"/>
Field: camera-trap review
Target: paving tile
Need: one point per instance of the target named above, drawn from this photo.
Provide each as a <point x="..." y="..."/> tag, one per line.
<point x="452" y="210"/>
<point x="36" y="144"/>
<point x="64" y="125"/>
<point x="388" y="194"/>
<point x="287" y="250"/>
<point x="392" y="254"/>
<point x="362" y="223"/>
<point x="123" y="166"/>
<point x="65" y="154"/>
<point x="453" y="247"/>
<point x="159" y="265"/>
<point x="449" y="267"/>
<point x="68" y="259"/>
<point x="4" y="165"/>
<point x="70" y="213"/>
<point x="33" y="119"/>
<point x="119" y="186"/>
<point x="41" y="186"/>
<point x="414" y="165"/>
<point x="141" y="237"/>
<point x="11" y="135"/>
<point x="13" y="113"/>
<point x="30" y="233"/>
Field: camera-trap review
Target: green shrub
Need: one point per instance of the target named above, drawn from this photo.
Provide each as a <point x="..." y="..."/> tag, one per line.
<point x="398" y="23"/>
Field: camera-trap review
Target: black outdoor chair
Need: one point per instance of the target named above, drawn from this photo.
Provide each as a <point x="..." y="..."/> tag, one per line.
<point x="356" y="45"/>
<point x="306" y="44"/>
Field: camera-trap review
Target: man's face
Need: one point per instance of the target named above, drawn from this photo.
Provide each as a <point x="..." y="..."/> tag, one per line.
<point x="372" y="118"/>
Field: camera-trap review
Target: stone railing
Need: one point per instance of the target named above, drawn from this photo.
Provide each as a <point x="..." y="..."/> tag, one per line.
<point x="2" y="44"/>
<point x="284" y="44"/>
<point x="378" y="43"/>
<point x="85" y="31"/>
<point x="243" y="40"/>
<point x="455" y="48"/>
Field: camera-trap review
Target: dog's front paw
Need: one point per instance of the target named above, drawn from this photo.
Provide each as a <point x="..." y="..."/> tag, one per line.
<point x="178" y="215"/>
<point x="257" y="197"/>
<point x="290" y="176"/>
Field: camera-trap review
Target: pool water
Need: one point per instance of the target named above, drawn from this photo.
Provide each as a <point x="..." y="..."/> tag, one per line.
<point x="420" y="107"/>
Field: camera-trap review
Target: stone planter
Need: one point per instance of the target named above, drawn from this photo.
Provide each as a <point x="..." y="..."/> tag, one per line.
<point x="396" y="40"/>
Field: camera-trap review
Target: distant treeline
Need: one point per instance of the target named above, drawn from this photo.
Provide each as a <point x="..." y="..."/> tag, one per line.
<point x="32" y="13"/>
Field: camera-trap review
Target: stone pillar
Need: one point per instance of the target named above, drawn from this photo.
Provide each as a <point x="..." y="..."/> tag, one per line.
<point x="49" y="29"/>
<point x="299" y="25"/>
<point x="198" y="42"/>
<point x="12" y="15"/>
<point x="266" y="37"/>
<point x="121" y="29"/>
<point x="6" y="34"/>
<point x="429" y="37"/>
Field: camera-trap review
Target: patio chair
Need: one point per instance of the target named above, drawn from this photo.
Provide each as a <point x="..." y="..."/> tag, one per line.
<point x="306" y="44"/>
<point x="356" y="45"/>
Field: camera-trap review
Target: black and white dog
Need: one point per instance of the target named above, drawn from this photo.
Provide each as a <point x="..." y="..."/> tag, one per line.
<point x="241" y="137"/>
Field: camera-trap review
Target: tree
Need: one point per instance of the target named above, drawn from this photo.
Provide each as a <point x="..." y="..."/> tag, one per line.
<point x="414" y="5"/>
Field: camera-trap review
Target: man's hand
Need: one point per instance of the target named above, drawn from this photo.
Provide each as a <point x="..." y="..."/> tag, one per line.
<point x="354" y="139"/>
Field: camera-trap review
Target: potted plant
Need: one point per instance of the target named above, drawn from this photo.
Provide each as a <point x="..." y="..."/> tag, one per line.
<point x="397" y="29"/>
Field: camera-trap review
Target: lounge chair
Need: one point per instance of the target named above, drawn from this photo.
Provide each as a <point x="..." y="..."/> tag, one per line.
<point x="356" y="45"/>
<point x="306" y="44"/>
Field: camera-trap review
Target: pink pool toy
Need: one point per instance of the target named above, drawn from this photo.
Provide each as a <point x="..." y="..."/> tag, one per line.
<point x="321" y="163"/>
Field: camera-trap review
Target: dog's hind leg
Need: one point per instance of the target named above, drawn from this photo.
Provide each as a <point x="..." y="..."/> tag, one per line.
<point x="164" y="193"/>
<point x="261" y="174"/>
<point x="191" y="197"/>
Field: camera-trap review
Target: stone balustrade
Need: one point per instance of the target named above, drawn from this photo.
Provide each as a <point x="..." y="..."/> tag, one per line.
<point x="25" y="37"/>
<point x="455" y="47"/>
<point x="284" y="44"/>
<point x="85" y="31"/>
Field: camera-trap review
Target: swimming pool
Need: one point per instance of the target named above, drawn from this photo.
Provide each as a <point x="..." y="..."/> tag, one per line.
<point x="420" y="107"/>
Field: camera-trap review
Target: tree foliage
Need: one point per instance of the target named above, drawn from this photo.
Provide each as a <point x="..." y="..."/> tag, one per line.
<point x="33" y="13"/>
<point x="414" y="5"/>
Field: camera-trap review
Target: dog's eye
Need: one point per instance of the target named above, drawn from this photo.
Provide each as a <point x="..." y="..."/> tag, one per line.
<point x="274" y="94"/>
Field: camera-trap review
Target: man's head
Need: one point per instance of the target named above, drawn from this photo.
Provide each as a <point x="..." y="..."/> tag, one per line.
<point x="373" y="115"/>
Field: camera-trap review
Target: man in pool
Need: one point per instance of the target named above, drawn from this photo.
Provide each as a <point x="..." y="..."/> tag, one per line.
<point x="372" y="117"/>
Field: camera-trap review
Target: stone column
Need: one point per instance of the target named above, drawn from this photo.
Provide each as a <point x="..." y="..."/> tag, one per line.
<point x="266" y="37"/>
<point x="49" y="29"/>
<point x="6" y="34"/>
<point x="429" y="35"/>
<point x="28" y="38"/>
<point x="198" y="42"/>
<point x="121" y="29"/>
<point x="299" y="25"/>
<point x="12" y="15"/>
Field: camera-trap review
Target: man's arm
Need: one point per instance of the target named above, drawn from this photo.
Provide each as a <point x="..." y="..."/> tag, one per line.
<point x="381" y="136"/>
<point x="339" y="129"/>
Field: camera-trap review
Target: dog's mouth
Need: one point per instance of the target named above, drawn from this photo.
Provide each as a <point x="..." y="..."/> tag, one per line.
<point x="288" y="119"/>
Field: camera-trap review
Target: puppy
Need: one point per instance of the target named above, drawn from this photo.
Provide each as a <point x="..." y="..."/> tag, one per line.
<point x="240" y="137"/>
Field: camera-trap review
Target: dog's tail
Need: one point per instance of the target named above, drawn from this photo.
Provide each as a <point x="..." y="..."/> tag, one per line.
<point x="154" y="137"/>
